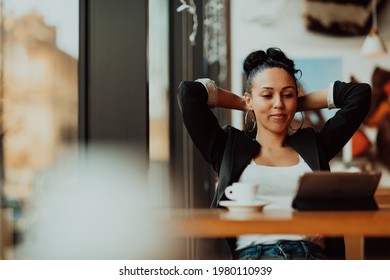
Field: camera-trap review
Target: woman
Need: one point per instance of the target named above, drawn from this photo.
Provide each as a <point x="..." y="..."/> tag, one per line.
<point x="275" y="154"/>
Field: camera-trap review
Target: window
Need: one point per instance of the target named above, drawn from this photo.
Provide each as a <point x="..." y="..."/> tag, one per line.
<point x="39" y="56"/>
<point x="158" y="66"/>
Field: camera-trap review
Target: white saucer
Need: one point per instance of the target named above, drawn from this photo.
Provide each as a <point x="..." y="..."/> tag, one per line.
<point x="235" y="207"/>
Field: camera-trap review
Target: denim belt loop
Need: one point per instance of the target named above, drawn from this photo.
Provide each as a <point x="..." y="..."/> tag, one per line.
<point x="304" y="246"/>
<point x="280" y="246"/>
<point x="259" y="249"/>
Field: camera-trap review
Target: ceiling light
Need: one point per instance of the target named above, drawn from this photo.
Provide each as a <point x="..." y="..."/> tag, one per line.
<point x="373" y="45"/>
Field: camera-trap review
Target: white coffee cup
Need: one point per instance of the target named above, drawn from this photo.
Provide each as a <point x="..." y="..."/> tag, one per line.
<point x="244" y="193"/>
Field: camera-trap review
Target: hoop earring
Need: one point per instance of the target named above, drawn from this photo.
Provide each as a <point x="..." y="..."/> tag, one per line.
<point x="253" y="119"/>
<point x="302" y="121"/>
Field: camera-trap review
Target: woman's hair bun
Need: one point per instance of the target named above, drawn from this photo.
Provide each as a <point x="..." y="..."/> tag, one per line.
<point x="253" y="60"/>
<point x="260" y="60"/>
<point x="272" y="57"/>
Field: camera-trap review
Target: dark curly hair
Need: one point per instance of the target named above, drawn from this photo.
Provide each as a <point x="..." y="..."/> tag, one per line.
<point x="260" y="60"/>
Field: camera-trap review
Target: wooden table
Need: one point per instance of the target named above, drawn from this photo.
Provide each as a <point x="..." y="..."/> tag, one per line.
<point x="353" y="225"/>
<point x="6" y="231"/>
<point x="221" y="223"/>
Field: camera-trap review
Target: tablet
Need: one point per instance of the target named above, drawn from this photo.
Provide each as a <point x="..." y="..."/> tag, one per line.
<point x="323" y="190"/>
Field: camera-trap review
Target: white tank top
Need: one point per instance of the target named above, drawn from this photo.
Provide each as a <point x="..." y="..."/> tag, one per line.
<point x="277" y="185"/>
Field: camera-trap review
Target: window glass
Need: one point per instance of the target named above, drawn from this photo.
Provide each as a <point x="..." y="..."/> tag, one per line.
<point x="158" y="38"/>
<point x="39" y="92"/>
<point x="158" y="79"/>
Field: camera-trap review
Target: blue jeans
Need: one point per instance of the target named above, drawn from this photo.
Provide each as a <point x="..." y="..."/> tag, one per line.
<point x="282" y="250"/>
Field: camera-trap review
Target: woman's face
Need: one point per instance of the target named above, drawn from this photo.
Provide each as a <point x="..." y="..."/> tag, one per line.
<point x="273" y="99"/>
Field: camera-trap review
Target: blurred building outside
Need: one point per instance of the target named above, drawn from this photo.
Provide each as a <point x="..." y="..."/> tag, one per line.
<point x="39" y="105"/>
<point x="40" y="109"/>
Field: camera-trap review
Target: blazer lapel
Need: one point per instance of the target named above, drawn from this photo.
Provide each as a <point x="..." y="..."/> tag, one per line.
<point x="304" y="142"/>
<point x="245" y="149"/>
<point x="240" y="149"/>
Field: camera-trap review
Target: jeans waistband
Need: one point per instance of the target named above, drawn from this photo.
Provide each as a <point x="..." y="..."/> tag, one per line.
<point x="283" y="249"/>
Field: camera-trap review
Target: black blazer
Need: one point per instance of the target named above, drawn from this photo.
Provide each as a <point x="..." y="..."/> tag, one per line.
<point x="230" y="150"/>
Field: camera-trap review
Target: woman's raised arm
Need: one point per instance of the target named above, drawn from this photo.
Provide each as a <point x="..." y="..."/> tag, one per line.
<point x="222" y="98"/>
<point x="314" y="101"/>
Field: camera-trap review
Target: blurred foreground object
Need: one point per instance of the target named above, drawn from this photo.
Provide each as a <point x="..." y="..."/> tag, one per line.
<point x="94" y="205"/>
